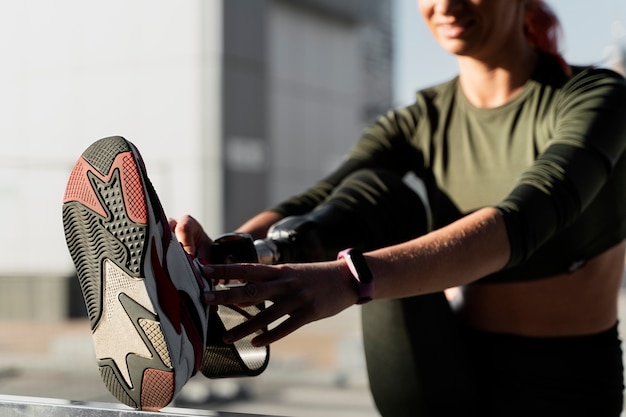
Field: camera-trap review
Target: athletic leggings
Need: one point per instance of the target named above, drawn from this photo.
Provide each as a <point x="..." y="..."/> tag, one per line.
<point x="422" y="361"/>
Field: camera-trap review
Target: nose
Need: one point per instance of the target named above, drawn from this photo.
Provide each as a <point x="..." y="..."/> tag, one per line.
<point x="447" y="6"/>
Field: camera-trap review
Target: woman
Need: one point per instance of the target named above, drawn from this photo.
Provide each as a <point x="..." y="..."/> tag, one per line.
<point x="523" y="159"/>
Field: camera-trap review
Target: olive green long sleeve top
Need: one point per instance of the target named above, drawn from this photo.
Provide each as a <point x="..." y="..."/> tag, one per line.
<point x="552" y="161"/>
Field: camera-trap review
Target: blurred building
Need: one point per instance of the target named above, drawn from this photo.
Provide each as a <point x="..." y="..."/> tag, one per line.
<point x="301" y="78"/>
<point x="617" y="51"/>
<point x="234" y="105"/>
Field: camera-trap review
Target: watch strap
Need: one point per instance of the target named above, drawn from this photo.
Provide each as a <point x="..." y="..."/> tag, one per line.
<point x="360" y="272"/>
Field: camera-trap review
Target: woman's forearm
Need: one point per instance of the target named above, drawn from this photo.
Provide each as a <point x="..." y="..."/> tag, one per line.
<point x="457" y="254"/>
<point x="258" y="225"/>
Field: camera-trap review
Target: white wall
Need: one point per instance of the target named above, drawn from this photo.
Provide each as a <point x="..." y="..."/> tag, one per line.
<point x="73" y="71"/>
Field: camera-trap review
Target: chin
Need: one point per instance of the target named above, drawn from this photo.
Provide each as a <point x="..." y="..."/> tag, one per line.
<point x="456" y="51"/>
<point x="453" y="46"/>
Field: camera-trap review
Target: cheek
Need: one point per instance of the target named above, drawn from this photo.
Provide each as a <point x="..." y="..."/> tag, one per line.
<point x="425" y="7"/>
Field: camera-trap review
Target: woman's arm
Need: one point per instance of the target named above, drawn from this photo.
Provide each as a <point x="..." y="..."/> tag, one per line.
<point x="462" y="252"/>
<point x="258" y="225"/>
<point x="457" y="254"/>
<point x="584" y="154"/>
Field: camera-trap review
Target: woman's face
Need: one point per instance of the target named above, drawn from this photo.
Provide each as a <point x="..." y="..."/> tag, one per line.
<point x="475" y="28"/>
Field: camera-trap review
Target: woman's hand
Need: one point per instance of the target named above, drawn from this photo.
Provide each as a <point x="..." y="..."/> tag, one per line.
<point x="197" y="243"/>
<point x="192" y="236"/>
<point x="299" y="294"/>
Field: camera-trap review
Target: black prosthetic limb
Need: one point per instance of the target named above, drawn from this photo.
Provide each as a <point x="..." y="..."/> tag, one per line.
<point x="369" y="210"/>
<point x="317" y="236"/>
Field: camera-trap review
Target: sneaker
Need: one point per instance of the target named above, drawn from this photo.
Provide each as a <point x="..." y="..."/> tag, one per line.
<point x="142" y="291"/>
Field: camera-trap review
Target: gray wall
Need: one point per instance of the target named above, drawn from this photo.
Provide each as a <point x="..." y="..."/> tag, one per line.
<point x="301" y="79"/>
<point x="244" y="99"/>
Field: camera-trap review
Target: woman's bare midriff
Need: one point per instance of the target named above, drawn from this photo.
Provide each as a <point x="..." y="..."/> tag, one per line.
<point x="579" y="303"/>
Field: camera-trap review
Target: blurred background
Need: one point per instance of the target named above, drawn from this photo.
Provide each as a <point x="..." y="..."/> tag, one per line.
<point x="235" y="105"/>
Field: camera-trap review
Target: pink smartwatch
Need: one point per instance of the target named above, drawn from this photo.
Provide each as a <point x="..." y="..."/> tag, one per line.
<point x="361" y="273"/>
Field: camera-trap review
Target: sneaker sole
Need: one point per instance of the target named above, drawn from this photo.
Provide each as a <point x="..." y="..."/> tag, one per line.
<point x="143" y="353"/>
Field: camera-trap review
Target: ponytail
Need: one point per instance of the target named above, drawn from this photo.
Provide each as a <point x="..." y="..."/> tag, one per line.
<point x="542" y="29"/>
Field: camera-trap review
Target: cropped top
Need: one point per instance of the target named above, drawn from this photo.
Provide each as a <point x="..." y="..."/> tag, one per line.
<point x="552" y="161"/>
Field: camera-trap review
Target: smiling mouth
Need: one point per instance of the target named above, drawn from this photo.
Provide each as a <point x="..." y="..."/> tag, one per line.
<point x="453" y="31"/>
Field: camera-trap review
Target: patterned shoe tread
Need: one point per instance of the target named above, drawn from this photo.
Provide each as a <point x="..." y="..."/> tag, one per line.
<point x="106" y="230"/>
<point x="131" y="367"/>
<point x="106" y="222"/>
<point x="102" y="153"/>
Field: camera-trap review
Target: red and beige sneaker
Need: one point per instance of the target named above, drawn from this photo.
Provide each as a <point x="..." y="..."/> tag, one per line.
<point x="141" y="290"/>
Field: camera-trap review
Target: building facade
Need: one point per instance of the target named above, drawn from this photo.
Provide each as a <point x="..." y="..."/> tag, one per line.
<point x="301" y="79"/>
<point x="233" y="104"/>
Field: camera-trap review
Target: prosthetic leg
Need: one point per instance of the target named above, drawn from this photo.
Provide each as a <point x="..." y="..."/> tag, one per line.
<point x="369" y="210"/>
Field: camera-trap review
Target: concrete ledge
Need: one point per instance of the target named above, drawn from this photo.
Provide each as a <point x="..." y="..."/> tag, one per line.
<point x="16" y="406"/>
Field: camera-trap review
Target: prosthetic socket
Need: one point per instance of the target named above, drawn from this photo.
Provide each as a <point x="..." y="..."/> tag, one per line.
<point x="316" y="236"/>
<point x="369" y="210"/>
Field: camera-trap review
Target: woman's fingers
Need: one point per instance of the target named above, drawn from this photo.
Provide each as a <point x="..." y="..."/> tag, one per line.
<point x="183" y="228"/>
<point x="265" y="283"/>
<point x="262" y="323"/>
<point x="299" y="294"/>
<point x="191" y="235"/>
<point x="248" y="294"/>
<point x="243" y="272"/>
<point x="288" y="326"/>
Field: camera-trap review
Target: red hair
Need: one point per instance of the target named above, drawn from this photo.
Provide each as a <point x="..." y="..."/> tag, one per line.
<point x="543" y="29"/>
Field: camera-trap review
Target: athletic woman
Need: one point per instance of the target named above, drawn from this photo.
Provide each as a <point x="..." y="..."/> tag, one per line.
<point x="522" y="156"/>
